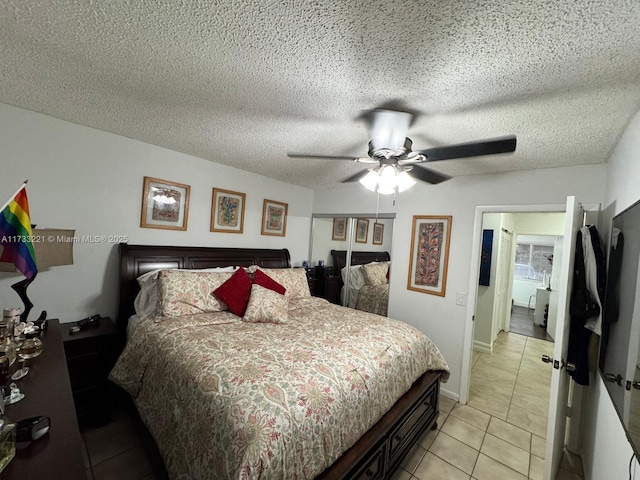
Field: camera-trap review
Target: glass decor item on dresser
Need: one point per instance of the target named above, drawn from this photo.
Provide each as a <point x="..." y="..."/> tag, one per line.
<point x="30" y="347"/>
<point x="7" y="347"/>
<point x="7" y="437"/>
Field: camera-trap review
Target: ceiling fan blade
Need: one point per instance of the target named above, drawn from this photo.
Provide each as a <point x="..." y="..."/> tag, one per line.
<point x="333" y="157"/>
<point x="473" y="149"/>
<point x="427" y="175"/>
<point x="356" y="177"/>
<point x="328" y="157"/>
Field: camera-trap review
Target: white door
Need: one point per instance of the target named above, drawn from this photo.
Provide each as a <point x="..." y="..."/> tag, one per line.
<point x="502" y="302"/>
<point x="552" y="313"/>
<point x="559" y="395"/>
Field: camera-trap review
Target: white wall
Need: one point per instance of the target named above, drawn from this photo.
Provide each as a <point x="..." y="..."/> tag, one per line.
<point x="483" y="332"/>
<point x="91" y="181"/>
<point x="606" y="450"/>
<point x="440" y="317"/>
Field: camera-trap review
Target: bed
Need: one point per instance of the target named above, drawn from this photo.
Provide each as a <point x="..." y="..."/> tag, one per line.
<point x="329" y="420"/>
<point x="368" y="280"/>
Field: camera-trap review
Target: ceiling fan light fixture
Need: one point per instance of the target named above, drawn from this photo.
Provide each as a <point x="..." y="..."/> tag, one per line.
<point x="405" y="182"/>
<point x="388" y="180"/>
<point x="370" y="180"/>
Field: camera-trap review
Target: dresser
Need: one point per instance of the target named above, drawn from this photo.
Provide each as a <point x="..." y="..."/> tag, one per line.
<point x="57" y="455"/>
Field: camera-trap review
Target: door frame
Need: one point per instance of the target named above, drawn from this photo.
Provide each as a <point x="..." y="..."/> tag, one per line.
<point x="474" y="270"/>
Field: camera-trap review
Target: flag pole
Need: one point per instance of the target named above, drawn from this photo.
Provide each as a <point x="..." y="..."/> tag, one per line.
<point x="14" y="195"/>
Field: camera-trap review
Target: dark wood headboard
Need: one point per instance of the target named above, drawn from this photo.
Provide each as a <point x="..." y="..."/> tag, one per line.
<point x="138" y="259"/>
<point x="357" y="258"/>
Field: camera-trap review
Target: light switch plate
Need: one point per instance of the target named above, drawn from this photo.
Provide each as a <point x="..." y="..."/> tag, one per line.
<point x="461" y="298"/>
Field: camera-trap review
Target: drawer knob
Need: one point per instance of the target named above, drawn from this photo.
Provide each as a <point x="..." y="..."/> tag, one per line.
<point x="398" y="438"/>
<point x="369" y="473"/>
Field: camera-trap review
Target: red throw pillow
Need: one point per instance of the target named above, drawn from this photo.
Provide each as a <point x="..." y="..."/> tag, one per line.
<point x="264" y="280"/>
<point x="235" y="292"/>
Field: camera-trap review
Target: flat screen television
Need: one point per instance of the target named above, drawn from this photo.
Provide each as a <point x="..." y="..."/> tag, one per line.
<point x="619" y="360"/>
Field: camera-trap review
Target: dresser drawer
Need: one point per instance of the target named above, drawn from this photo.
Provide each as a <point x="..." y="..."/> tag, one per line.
<point x="405" y="434"/>
<point x="374" y="468"/>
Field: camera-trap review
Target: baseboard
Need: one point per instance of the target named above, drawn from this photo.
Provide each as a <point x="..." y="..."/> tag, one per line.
<point x="521" y="304"/>
<point x="482" y="347"/>
<point x="449" y="394"/>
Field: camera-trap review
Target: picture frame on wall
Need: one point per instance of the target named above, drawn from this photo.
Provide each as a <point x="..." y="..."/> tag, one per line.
<point x="339" y="229"/>
<point x="274" y="218"/>
<point x="429" y="254"/>
<point x="378" y="233"/>
<point x="227" y="211"/>
<point x="165" y="204"/>
<point x="362" y="230"/>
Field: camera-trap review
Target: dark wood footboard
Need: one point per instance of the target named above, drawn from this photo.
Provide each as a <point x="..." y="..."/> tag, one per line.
<point x="380" y="451"/>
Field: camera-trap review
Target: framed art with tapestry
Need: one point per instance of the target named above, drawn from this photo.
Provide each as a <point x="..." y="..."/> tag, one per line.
<point x="274" y="218"/>
<point x="430" y="237"/>
<point x="362" y="230"/>
<point x="378" y="232"/>
<point x="227" y="211"/>
<point x="339" y="229"/>
<point x="165" y="204"/>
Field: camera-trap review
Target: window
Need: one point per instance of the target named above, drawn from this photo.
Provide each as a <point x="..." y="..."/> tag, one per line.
<point x="533" y="260"/>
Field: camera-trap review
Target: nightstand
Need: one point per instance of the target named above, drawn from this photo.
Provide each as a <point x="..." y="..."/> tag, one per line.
<point x="90" y="355"/>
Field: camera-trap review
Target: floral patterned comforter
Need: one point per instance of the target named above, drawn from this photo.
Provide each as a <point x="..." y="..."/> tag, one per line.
<point x="373" y="299"/>
<point x="234" y="400"/>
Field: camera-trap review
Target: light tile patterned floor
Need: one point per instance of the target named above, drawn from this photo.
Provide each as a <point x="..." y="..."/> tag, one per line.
<point x="500" y="434"/>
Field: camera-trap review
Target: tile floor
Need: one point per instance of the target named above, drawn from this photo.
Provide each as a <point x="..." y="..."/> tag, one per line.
<point x="123" y="449"/>
<point x="499" y="435"/>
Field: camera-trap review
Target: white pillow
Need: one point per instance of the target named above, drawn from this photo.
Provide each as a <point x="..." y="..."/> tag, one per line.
<point x="356" y="278"/>
<point x="146" y="301"/>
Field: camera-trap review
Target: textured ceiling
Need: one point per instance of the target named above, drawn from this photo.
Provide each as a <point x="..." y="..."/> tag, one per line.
<point x="243" y="82"/>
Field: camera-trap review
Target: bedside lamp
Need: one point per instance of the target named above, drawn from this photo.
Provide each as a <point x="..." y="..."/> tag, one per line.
<point x="52" y="247"/>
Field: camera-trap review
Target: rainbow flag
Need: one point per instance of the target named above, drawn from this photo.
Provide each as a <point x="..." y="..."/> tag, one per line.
<point x="16" y="234"/>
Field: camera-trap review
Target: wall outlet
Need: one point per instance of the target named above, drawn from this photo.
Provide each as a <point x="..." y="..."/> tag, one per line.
<point x="461" y="298"/>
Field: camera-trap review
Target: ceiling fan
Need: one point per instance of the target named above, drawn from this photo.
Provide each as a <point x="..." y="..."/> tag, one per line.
<point x="396" y="164"/>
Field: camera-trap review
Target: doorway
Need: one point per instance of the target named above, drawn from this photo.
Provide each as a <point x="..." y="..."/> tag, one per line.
<point x="507" y="379"/>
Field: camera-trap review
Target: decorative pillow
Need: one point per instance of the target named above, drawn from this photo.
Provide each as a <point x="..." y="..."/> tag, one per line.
<point x="375" y="273"/>
<point x="235" y="292"/>
<point x="146" y="302"/>
<point x="182" y="292"/>
<point x="264" y="280"/>
<point x="294" y="280"/>
<point x="266" y="306"/>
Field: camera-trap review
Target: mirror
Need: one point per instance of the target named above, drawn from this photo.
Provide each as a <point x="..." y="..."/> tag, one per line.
<point x="619" y="360"/>
<point x="362" y="239"/>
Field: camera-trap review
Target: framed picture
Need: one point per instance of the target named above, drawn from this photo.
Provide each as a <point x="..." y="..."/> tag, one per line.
<point x="362" y="230"/>
<point x="227" y="211"/>
<point x="274" y="218"/>
<point x="165" y="204"/>
<point x="429" y="254"/>
<point x="378" y="233"/>
<point x="339" y="229"/>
